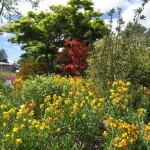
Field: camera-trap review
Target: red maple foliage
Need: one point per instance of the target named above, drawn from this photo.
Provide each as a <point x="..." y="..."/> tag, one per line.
<point x="74" y="58"/>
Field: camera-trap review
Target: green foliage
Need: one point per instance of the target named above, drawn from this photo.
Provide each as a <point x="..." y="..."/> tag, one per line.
<point x="46" y="86"/>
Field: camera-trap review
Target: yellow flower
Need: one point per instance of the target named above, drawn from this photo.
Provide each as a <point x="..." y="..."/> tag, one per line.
<point x="84" y="116"/>
<point x="101" y="99"/>
<point x="112" y="125"/>
<point x="18" y="141"/>
<point x="6" y="115"/>
<point x="124" y="134"/>
<point x="95" y="107"/>
<point x="48" y="98"/>
<point x="22" y="126"/>
<point x="105" y="133"/>
<point x="123" y="143"/>
<point x="75" y="105"/>
<point x="114" y="83"/>
<point x="99" y="104"/>
<point x="58" y="130"/>
<point x="67" y="101"/>
<point x="121" y="82"/>
<point x="126" y="100"/>
<point x="37" y="126"/>
<point x="132" y="140"/>
<point x="2" y="106"/>
<point x="7" y="136"/>
<point x="15" y="130"/>
<point x="111" y="91"/>
<point x="63" y="95"/>
<point x="41" y="106"/>
<point x="4" y="124"/>
<point x="141" y="110"/>
<point x="42" y="128"/>
<point x="90" y="93"/>
<point x="128" y="83"/>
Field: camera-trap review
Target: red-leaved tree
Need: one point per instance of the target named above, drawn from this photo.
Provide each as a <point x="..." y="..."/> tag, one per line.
<point x="74" y="58"/>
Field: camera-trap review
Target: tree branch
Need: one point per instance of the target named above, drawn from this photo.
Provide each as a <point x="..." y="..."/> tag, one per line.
<point x="3" y="4"/>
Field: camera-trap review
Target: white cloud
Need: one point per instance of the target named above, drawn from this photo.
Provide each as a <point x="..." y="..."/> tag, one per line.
<point x="11" y="61"/>
<point x="128" y="14"/>
<point x="46" y="3"/>
<point x="24" y="6"/>
<point x="146" y="12"/>
<point x="7" y="35"/>
<point x="105" y="6"/>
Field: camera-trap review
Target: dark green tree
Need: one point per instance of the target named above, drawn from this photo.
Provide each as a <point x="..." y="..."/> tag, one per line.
<point x="3" y="56"/>
<point x="137" y="29"/>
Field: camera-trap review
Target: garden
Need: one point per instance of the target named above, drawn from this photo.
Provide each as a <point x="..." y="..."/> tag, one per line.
<point x="73" y="113"/>
<point x="92" y="95"/>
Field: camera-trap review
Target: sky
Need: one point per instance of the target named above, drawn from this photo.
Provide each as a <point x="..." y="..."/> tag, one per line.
<point x="13" y="51"/>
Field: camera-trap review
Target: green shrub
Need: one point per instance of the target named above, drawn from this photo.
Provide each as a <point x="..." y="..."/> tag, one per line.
<point x="54" y="112"/>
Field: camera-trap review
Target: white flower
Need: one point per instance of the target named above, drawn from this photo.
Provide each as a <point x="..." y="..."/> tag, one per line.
<point x="22" y="106"/>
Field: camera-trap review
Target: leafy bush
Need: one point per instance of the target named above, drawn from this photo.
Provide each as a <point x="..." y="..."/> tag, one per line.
<point x="31" y="69"/>
<point x="73" y="58"/>
<point x="54" y="112"/>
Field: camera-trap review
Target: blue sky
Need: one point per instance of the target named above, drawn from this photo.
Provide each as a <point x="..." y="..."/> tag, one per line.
<point x="13" y="50"/>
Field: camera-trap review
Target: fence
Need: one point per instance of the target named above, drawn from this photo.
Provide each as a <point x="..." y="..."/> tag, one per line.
<point x="6" y="67"/>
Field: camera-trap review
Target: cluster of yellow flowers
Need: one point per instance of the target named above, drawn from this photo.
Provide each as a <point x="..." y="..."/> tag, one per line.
<point x="52" y="113"/>
<point x="119" y="94"/>
<point x="146" y="136"/>
<point x="97" y="102"/>
<point x="74" y="109"/>
<point x="125" y="133"/>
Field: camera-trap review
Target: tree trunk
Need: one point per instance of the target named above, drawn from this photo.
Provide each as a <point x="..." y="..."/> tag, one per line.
<point x="48" y="66"/>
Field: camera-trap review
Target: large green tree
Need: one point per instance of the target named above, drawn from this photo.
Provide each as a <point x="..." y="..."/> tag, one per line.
<point x="42" y="33"/>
